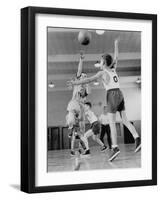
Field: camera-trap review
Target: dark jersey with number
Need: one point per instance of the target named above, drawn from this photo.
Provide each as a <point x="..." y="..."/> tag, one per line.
<point x="110" y="79"/>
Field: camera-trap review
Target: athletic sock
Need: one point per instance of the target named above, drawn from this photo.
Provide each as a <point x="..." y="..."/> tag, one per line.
<point x="114" y="146"/>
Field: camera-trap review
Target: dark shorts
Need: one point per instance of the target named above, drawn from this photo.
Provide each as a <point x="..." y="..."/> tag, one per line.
<point x="115" y="101"/>
<point x="96" y="127"/>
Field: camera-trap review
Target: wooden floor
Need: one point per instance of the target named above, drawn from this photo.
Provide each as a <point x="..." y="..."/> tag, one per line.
<point x="61" y="160"/>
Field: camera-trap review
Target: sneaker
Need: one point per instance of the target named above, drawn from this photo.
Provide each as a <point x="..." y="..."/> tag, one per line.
<point x="104" y="148"/>
<point x="137" y="144"/>
<point x="72" y="153"/>
<point x="70" y="135"/>
<point x="114" y="154"/>
<point x="80" y="151"/>
<point x="87" y="152"/>
<point x="77" y="137"/>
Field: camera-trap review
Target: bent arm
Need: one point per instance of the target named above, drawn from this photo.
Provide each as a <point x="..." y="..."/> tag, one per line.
<point x="88" y="80"/>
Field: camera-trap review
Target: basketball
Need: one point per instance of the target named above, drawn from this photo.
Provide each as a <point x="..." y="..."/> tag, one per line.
<point x="84" y="37"/>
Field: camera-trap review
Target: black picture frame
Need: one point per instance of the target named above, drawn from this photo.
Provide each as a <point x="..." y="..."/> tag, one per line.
<point x="28" y="98"/>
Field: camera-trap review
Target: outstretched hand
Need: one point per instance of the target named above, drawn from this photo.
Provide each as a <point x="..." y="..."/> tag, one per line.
<point x="70" y="83"/>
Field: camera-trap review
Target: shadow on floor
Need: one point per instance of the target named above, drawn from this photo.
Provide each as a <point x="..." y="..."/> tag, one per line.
<point x="15" y="186"/>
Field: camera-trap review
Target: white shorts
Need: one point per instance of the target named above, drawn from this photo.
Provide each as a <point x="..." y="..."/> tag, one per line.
<point x="74" y="105"/>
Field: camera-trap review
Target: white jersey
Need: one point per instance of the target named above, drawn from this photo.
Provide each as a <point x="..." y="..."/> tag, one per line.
<point x="104" y="119"/>
<point x="91" y="116"/>
<point x="111" y="83"/>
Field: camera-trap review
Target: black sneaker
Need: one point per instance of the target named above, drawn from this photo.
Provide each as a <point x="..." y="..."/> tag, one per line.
<point x="87" y="152"/>
<point x="72" y="153"/>
<point x="104" y="148"/>
<point x="137" y="144"/>
<point x="70" y="133"/>
<point x="114" y="154"/>
<point x="77" y="137"/>
<point x="80" y="151"/>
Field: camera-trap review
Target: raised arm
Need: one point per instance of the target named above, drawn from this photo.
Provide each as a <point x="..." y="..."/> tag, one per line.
<point x="80" y="65"/>
<point x="116" y="52"/>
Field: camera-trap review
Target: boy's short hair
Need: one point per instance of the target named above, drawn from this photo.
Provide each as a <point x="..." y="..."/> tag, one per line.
<point x="88" y="104"/>
<point x="107" y="58"/>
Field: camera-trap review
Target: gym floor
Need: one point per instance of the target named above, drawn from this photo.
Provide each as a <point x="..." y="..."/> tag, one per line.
<point x="61" y="160"/>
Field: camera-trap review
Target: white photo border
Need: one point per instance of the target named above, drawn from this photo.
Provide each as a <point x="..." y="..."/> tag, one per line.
<point x="42" y="178"/>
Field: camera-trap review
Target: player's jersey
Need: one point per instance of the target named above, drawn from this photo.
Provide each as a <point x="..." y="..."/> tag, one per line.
<point x="104" y="119"/>
<point x="111" y="83"/>
<point x="91" y="116"/>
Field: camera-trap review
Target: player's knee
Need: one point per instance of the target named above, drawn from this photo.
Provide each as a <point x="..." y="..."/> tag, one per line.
<point x="81" y="137"/>
<point x="73" y="138"/>
<point x="85" y="136"/>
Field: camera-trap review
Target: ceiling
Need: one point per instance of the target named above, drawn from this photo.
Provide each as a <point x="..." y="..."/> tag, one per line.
<point x="64" y="49"/>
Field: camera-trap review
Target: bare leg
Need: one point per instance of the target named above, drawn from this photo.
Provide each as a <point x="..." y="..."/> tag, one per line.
<point x="81" y="134"/>
<point x="85" y="138"/>
<point x="72" y="142"/>
<point x="129" y="125"/>
<point x="95" y="138"/>
<point x="82" y="127"/>
<point x="85" y="141"/>
<point x="112" y="123"/>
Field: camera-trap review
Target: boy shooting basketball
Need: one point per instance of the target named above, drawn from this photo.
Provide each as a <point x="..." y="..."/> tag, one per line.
<point x="75" y="117"/>
<point x="114" y="97"/>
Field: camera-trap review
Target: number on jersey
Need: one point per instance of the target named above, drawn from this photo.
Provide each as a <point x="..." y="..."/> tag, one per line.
<point x="115" y="79"/>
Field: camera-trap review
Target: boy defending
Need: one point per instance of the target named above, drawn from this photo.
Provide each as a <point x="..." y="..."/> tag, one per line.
<point x="114" y="97"/>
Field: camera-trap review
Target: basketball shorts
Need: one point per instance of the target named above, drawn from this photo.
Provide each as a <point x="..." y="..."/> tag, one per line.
<point x="115" y="100"/>
<point x="96" y="127"/>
